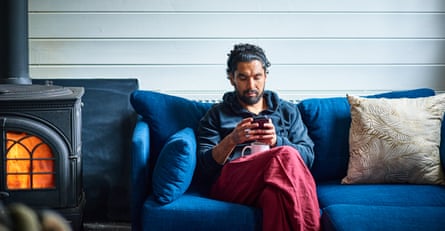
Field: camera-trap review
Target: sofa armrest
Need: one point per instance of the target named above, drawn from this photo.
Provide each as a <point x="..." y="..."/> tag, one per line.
<point x="140" y="155"/>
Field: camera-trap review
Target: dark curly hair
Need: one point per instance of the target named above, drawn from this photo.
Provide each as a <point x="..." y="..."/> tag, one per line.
<point x="245" y="52"/>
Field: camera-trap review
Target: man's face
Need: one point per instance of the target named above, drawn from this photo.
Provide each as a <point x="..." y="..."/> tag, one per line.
<point x="249" y="81"/>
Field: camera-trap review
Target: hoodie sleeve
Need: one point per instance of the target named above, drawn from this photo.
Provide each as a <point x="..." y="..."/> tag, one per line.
<point x="296" y="135"/>
<point x="208" y="137"/>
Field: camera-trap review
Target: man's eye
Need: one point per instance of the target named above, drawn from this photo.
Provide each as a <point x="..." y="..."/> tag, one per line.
<point x="258" y="77"/>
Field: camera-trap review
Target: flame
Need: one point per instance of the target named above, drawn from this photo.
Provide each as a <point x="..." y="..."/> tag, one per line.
<point x="29" y="162"/>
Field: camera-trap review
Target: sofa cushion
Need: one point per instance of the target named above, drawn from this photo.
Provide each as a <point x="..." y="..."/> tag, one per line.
<point x="195" y="212"/>
<point x="395" y="140"/>
<point x="174" y="168"/>
<point x="442" y="144"/>
<point x="394" y="218"/>
<point x="166" y="114"/>
<point x="330" y="193"/>
<point x="328" y="121"/>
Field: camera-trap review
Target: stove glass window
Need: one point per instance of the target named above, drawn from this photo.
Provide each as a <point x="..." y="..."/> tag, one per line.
<point x="29" y="162"/>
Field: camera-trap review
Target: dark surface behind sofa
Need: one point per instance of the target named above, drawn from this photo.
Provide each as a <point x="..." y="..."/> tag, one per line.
<point x="107" y="124"/>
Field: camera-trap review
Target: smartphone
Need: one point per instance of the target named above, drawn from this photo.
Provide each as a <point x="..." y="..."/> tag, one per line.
<point x="261" y="120"/>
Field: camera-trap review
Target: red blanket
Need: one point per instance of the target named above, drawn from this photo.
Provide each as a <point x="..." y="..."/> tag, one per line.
<point x="276" y="180"/>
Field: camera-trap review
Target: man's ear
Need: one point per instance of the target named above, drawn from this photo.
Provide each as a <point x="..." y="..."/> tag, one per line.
<point x="232" y="79"/>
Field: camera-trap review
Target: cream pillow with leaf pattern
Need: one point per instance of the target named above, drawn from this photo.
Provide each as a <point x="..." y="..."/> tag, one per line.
<point x="395" y="140"/>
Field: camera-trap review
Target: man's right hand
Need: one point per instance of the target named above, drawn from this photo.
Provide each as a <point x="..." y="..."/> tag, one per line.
<point x="242" y="131"/>
<point x="240" y="134"/>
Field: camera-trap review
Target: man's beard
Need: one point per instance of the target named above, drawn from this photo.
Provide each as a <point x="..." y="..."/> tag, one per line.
<point x="248" y="99"/>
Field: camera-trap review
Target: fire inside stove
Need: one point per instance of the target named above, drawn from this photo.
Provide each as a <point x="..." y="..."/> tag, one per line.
<point x="29" y="162"/>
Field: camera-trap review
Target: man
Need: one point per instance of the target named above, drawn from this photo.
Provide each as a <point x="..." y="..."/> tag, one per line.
<point x="277" y="180"/>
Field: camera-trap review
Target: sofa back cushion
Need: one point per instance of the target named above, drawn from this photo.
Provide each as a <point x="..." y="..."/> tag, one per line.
<point x="328" y="122"/>
<point x="442" y="144"/>
<point x="166" y="115"/>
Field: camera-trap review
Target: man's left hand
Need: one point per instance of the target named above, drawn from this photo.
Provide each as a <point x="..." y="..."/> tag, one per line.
<point x="265" y="135"/>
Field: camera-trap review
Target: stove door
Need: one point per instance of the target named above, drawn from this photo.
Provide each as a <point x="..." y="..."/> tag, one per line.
<point x="34" y="163"/>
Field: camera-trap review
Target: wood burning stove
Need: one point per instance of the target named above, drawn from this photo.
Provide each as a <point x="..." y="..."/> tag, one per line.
<point x="40" y="128"/>
<point x="40" y="147"/>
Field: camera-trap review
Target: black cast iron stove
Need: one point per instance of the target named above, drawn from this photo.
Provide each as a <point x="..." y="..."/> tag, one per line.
<point x="40" y="128"/>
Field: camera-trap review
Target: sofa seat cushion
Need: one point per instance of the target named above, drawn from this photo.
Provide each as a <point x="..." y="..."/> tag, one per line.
<point x="394" y="218"/>
<point x="381" y="194"/>
<point x="194" y="212"/>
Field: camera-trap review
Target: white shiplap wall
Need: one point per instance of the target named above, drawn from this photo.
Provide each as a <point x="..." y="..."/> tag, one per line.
<point x="317" y="48"/>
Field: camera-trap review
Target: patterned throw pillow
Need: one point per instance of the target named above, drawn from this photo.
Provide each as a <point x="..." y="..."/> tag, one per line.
<point x="395" y="140"/>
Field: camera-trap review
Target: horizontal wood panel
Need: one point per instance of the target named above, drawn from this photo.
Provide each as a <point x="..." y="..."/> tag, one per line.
<point x="230" y="25"/>
<point x="210" y="52"/>
<point x="284" y="78"/>
<point x="237" y="5"/>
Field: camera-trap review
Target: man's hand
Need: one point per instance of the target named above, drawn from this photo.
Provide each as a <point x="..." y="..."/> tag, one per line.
<point x="248" y="130"/>
<point x="240" y="134"/>
<point x="242" y="131"/>
<point x="265" y="135"/>
<point x="245" y="131"/>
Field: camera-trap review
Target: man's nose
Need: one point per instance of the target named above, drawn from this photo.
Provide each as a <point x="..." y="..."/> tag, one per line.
<point x="251" y="83"/>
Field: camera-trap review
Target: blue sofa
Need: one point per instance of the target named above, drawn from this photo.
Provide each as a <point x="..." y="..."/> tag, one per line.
<point x="168" y="194"/>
